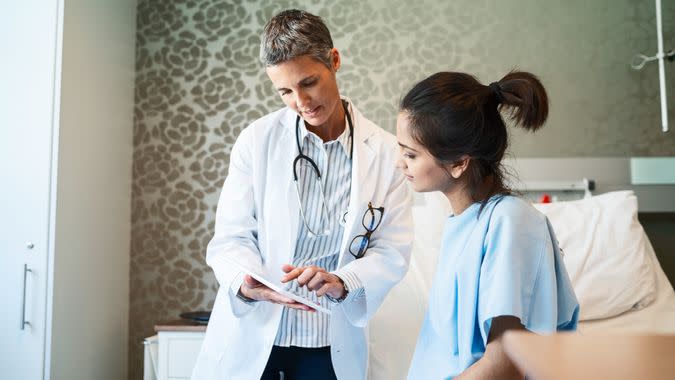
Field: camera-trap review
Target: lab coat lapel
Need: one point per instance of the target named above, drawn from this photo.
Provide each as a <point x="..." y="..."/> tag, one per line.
<point x="362" y="183"/>
<point x="292" y="219"/>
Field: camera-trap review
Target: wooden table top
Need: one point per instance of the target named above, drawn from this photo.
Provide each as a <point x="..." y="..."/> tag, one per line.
<point x="180" y="325"/>
<point x="592" y="356"/>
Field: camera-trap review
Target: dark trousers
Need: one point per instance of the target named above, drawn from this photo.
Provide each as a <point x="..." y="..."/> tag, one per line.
<point x="299" y="363"/>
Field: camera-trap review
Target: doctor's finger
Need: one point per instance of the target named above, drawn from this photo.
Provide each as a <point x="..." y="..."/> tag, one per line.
<point x="251" y="282"/>
<point x="287" y="268"/>
<point x="254" y="291"/>
<point x="298" y="306"/>
<point x="317" y="281"/>
<point x="325" y="289"/>
<point x="293" y="274"/>
<point x="308" y="274"/>
<point x="271" y="295"/>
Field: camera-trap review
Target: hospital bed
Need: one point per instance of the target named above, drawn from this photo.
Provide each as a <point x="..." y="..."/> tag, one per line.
<point x="618" y="280"/>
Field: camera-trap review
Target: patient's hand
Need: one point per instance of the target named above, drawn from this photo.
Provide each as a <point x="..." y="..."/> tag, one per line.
<point x="254" y="289"/>
<point x="316" y="279"/>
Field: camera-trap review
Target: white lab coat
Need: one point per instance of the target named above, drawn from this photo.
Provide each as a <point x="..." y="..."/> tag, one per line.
<point x="257" y="223"/>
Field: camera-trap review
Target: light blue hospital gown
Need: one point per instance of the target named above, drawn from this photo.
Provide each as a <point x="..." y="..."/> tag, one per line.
<point x="504" y="262"/>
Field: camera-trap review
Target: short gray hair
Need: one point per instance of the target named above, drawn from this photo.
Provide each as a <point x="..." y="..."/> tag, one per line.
<point x="294" y="33"/>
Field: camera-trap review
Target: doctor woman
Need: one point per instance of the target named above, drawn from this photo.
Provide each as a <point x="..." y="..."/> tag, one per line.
<point x="312" y="194"/>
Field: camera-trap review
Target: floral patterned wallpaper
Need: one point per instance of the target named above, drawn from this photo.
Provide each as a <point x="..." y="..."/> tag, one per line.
<point x="199" y="82"/>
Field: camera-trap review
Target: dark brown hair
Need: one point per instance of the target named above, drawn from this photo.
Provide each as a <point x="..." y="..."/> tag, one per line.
<point x="452" y="114"/>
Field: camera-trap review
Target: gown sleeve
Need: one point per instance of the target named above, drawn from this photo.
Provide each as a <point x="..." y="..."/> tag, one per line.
<point x="522" y="274"/>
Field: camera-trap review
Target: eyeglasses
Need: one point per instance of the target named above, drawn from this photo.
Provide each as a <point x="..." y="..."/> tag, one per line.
<point x="371" y="220"/>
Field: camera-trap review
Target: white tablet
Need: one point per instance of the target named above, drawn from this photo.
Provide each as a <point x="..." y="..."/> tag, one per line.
<point x="278" y="287"/>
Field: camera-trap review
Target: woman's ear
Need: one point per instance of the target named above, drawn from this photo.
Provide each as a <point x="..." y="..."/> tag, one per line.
<point x="335" y="59"/>
<point x="459" y="167"/>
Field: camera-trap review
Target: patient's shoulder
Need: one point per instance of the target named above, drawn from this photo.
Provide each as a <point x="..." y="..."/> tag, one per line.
<point x="515" y="211"/>
<point x="514" y="206"/>
<point x="517" y="231"/>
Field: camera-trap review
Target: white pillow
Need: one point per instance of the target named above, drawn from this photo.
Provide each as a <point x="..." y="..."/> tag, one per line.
<point x="606" y="252"/>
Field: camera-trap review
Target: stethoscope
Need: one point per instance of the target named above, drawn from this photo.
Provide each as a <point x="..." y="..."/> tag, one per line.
<point x="301" y="156"/>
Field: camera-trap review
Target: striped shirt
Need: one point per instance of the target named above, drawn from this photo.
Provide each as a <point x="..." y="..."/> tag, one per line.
<point x="302" y="328"/>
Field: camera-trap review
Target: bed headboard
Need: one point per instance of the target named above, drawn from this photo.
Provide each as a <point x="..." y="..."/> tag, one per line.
<point x="608" y="174"/>
<point x="561" y="190"/>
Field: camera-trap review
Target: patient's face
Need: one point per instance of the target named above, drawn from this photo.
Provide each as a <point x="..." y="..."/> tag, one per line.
<point x="418" y="165"/>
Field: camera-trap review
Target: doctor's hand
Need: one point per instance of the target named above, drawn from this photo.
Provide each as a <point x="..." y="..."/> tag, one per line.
<point x="254" y="289"/>
<point x="316" y="279"/>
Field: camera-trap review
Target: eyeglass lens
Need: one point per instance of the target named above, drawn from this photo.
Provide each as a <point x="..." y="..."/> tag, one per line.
<point x="372" y="219"/>
<point x="359" y="245"/>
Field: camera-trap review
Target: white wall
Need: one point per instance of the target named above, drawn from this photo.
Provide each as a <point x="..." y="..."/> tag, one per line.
<point x="91" y="254"/>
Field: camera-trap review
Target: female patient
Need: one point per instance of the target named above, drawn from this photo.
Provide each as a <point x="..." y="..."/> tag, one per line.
<point x="500" y="267"/>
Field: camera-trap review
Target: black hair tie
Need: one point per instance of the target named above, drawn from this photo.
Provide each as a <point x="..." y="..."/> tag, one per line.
<point x="497" y="90"/>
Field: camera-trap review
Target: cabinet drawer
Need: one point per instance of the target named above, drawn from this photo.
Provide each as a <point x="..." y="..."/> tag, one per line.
<point x="182" y="357"/>
<point x="178" y="354"/>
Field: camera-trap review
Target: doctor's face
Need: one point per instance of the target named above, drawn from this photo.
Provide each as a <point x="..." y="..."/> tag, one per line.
<point x="419" y="166"/>
<point x="309" y="88"/>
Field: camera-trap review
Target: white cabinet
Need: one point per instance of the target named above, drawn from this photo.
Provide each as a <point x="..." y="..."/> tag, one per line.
<point x="26" y="113"/>
<point x="66" y="122"/>
<point x="171" y="355"/>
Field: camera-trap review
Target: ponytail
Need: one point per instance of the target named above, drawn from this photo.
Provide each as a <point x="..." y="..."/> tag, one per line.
<point x="524" y="98"/>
